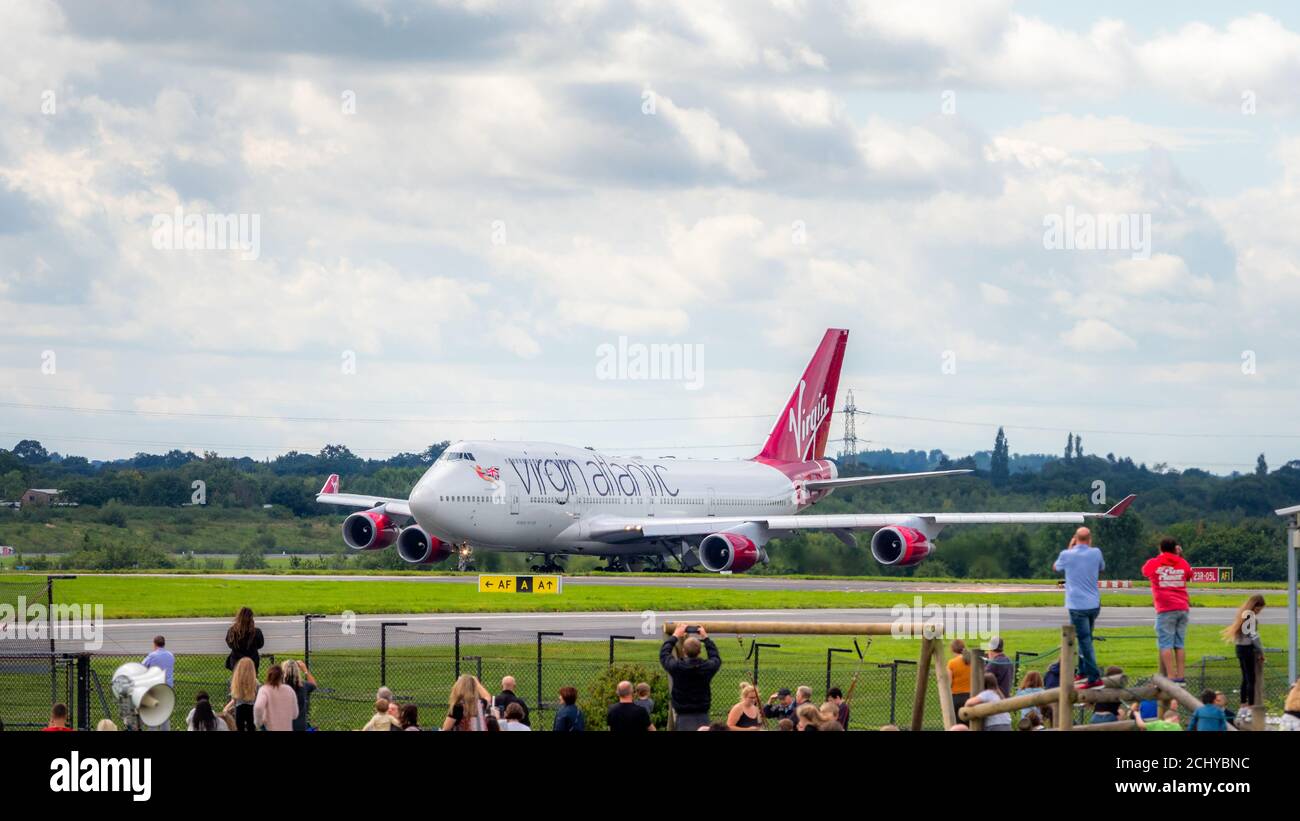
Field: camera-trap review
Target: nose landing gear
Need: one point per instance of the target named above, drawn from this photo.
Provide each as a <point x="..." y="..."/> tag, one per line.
<point x="465" y="557"/>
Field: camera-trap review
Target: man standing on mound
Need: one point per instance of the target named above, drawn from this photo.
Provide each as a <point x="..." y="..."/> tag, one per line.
<point x="1082" y="564"/>
<point x="1169" y="573"/>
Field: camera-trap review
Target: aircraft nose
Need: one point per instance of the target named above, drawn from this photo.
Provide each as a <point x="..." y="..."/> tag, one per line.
<point x="424" y="503"/>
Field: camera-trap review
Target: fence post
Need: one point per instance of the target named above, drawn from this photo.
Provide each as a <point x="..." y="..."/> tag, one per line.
<point x="1065" y="704"/>
<point x="611" y="646"/>
<point x="83" y="691"/>
<point x="49" y="623"/>
<point x="893" y="693"/>
<point x="830" y="651"/>
<point x="540" y="635"/>
<point x="383" y="649"/>
<point x="754" y="647"/>
<point x="457" y="631"/>
<point x="1258" y="711"/>
<point x="306" y="637"/>
<point x="922" y="684"/>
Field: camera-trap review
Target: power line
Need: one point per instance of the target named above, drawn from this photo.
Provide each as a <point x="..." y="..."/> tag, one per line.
<point x="366" y="420"/>
<point x="1101" y="431"/>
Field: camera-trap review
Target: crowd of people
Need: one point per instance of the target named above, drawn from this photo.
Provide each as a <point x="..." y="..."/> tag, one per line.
<point x="1169" y="573"/>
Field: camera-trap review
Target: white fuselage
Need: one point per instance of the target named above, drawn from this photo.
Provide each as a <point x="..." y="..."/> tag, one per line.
<point x="542" y="497"/>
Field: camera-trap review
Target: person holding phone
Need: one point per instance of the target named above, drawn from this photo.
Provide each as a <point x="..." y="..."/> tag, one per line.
<point x="692" y="677"/>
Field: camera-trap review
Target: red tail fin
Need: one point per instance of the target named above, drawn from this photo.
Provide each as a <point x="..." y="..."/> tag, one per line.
<point x="801" y="431"/>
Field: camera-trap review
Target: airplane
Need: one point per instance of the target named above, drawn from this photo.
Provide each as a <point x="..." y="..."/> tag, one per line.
<point x="554" y="500"/>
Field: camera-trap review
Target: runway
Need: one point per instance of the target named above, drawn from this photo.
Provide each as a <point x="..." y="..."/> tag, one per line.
<point x="701" y="581"/>
<point x="285" y="634"/>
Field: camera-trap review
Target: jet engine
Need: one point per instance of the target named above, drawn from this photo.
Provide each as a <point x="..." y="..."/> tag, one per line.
<point x="369" y="530"/>
<point x="902" y="546"/>
<point x="415" y="545"/>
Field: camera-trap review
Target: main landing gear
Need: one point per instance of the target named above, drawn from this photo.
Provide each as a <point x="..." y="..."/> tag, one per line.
<point x="549" y="564"/>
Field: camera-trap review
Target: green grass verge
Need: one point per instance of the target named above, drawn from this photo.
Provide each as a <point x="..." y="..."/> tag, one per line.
<point x="149" y="597"/>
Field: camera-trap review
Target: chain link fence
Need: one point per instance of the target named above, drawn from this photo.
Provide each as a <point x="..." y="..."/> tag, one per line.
<point x="420" y="660"/>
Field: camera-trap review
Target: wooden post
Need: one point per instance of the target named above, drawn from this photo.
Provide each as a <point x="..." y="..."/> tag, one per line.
<point x="976" y="681"/>
<point x="1065" y="704"/>
<point x="922" y="680"/>
<point x="943" y="683"/>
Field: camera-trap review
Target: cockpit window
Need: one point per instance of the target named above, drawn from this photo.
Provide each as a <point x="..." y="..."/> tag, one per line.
<point x="456" y="455"/>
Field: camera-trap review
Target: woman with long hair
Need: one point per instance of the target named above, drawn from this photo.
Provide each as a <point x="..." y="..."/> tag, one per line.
<point x="467" y="706"/>
<point x="243" y="695"/>
<point x="1030" y="684"/>
<point x="747" y="714"/>
<point x="1244" y="633"/>
<point x="201" y="718"/>
<point x="244" y="640"/>
<point x="299" y="679"/>
<point x="410" y="717"/>
<point x="277" y="705"/>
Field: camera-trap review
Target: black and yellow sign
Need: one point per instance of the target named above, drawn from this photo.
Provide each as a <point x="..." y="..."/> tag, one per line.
<point x="534" y="585"/>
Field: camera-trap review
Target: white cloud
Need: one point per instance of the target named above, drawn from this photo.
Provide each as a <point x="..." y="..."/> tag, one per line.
<point x="1096" y="336"/>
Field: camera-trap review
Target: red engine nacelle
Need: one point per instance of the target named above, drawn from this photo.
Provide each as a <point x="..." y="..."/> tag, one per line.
<point x="903" y="546"/>
<point x="728" y="551"/>
<point x="416" y="546"/>
<point x="369" y="530"/>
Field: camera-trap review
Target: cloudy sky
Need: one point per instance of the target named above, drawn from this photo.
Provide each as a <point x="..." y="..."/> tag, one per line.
<point x="458" y="203"/>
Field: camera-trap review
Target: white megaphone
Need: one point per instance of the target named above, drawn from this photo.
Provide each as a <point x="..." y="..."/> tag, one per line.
<point x="142" y="693"/>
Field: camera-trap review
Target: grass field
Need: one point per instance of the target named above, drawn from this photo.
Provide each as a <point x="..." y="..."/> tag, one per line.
<point x="149" y="597"/>
<point x="422" y="675"/>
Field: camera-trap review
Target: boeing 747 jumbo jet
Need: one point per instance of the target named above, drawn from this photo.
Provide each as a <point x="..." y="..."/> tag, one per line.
<point x="554" y="500"/>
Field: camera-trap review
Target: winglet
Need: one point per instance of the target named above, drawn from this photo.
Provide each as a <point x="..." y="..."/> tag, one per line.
<point x="331" y="485"/>
<point x="1118" y="510"/>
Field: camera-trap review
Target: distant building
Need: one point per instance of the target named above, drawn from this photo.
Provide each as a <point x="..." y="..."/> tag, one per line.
<point x="39" y="496"/>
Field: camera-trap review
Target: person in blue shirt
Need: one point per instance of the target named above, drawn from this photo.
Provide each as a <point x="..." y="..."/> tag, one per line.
<point x="163" y="659"/>
<point x="569" y="719"/>
<point x="1082" y="564"/>
<point x="1209" y="717"/>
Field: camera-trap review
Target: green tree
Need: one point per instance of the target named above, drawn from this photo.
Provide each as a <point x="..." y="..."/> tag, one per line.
<point x="1000" y="465"/>
<point x="1261" y="466"/>
<point x="596" y="698"/>
<point x="250" y="558"/>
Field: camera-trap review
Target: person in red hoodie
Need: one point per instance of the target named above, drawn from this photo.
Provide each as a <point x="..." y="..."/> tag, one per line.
<point x="1169" y="573"/>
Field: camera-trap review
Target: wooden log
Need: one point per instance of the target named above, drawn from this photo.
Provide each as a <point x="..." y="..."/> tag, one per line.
<point x="922" y="680"/>
<point x="1101" y="695"/>
<point x="976" y="681"/>
<point x="1109" y="726"/>
<point x="1178" y="693"/>
<point x="943" y="683"/>
<point x="1064" y="713"/>
<point x="917" y="630"/>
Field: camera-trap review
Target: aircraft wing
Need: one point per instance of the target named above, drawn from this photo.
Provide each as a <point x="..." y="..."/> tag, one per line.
<point x="329" y="495"/>
<point x="852" y="481"/>
<point x="623" y="529"/>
